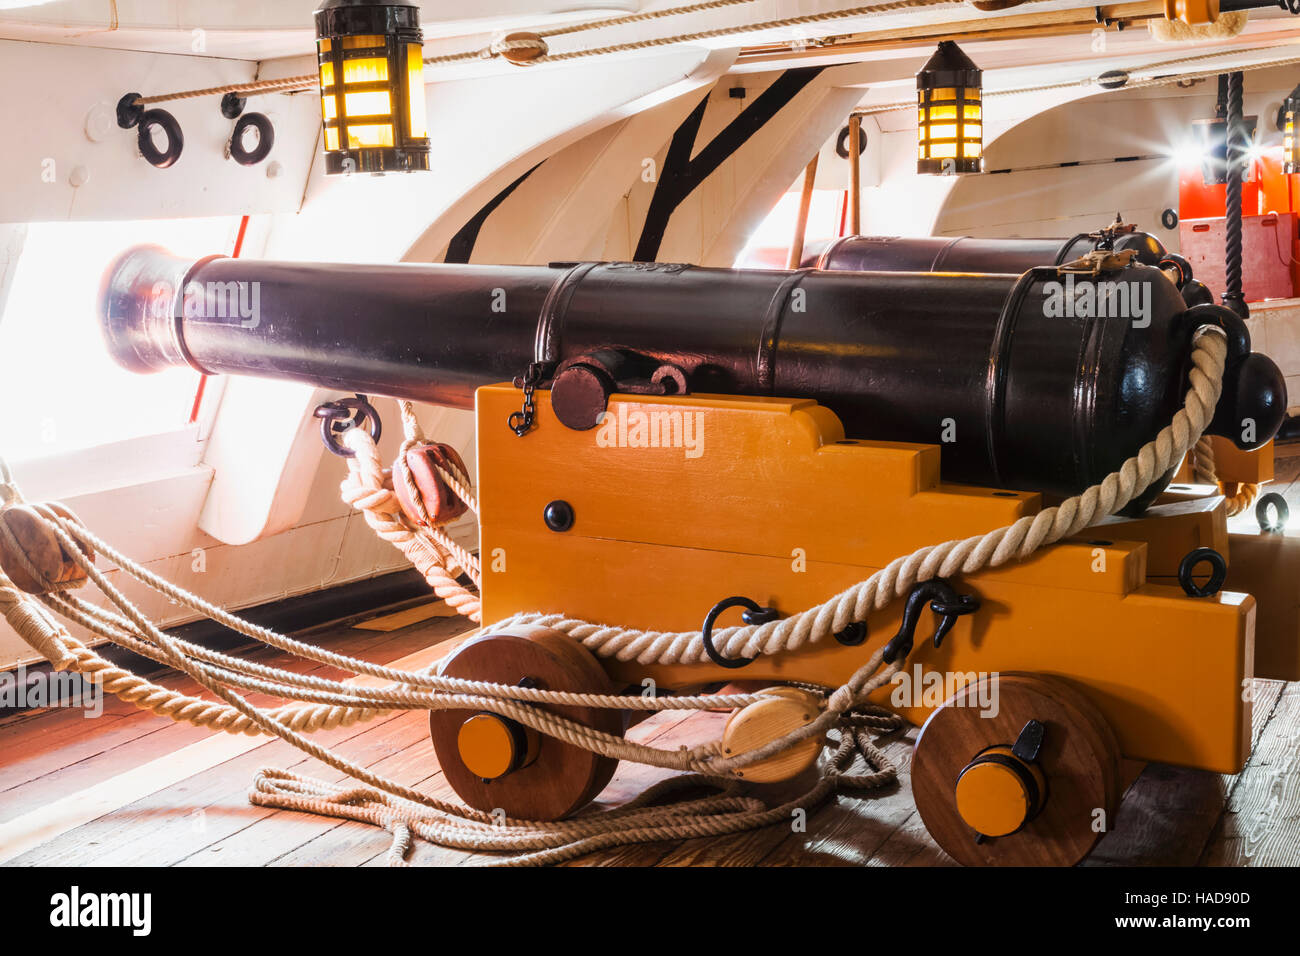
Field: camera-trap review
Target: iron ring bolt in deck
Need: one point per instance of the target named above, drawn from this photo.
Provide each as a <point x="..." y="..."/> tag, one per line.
<point x="1218" y="572"/>
<point x="1277" y="504"/>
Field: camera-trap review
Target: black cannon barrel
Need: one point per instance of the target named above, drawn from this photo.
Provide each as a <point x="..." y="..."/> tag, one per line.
<point x="1025" y="384"/>
<point x="976" y="254"/>
<point x="970" y="253"/>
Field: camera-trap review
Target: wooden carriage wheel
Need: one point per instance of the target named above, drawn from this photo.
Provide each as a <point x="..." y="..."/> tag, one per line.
<point x="494" y="763"/>
<point x="987" y="805"/>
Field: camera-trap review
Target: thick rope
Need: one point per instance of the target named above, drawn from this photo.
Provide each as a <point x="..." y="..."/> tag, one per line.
<point x="843" y="709"/>
<point x="1131" y="84"/>
<point x="871" y="9"/>
<point x="1237" y="496"/>
<point x="967" y="556"/>
<point x="641" y="820"/>
<point x="495" y="49"/>
<point x="1237" y="145"/>
<point x="429" y="549"/>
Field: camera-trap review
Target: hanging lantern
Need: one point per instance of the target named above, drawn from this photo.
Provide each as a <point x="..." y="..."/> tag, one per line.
<point x="1290" y="148"/>
<point x="949" y="121"/>
<point x="372" y="86"/>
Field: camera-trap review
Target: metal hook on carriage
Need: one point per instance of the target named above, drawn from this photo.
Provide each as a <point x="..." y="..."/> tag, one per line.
<point x="342" y="414"/>
<point x="754" y="613"/>
<point x="944" y="600"/>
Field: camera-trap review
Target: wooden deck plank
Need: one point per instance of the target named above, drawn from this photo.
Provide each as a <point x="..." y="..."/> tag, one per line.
<point x="1260" y="825"/>
<point x="877" y="828"/>
<point x="411" y="644"/>
<point x="133" y="742"/>
<point x="407" y="617"/>
<point x="168" y="825"/>
<point x="1169" y="813"/>
<point x="279" y="832"/>
<point x="43" y="755"/>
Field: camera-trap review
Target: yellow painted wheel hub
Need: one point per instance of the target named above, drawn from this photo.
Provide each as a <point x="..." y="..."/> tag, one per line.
<point x="997" y="792"/>
<point x="491" y="746"/>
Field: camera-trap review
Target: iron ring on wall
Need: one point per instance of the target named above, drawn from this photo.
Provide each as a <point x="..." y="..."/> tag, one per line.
<point x="159" y="158"/>
<point x="265" y="139"/>
<point x="842" y="142"/>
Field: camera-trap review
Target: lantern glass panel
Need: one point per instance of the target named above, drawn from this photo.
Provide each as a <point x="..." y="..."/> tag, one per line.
<point x="368" y="103"/>
<point x="368" y="70"/>
<point x="370" y="135"/>
<point x="415" y="90"/>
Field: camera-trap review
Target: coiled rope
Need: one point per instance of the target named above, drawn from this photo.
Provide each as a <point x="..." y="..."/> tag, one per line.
<point x="403" y="810"/>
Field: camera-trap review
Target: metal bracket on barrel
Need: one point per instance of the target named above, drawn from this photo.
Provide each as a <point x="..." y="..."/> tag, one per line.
<point x="343" y="414"/>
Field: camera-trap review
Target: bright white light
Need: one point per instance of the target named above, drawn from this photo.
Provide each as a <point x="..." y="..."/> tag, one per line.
<point x="1188" y="153"/>
<point x="768" y="243"/>
<point x="53" y="363"/>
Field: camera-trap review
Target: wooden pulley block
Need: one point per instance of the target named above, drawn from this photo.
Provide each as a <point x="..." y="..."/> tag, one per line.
<point x="1030" y="779"/>
<point x="524" y="55"/>
<point x="31" y="554"/>
<point x="787" y="709"/>
<point x="442" y="504"/>
<point x="493" y="762"/>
